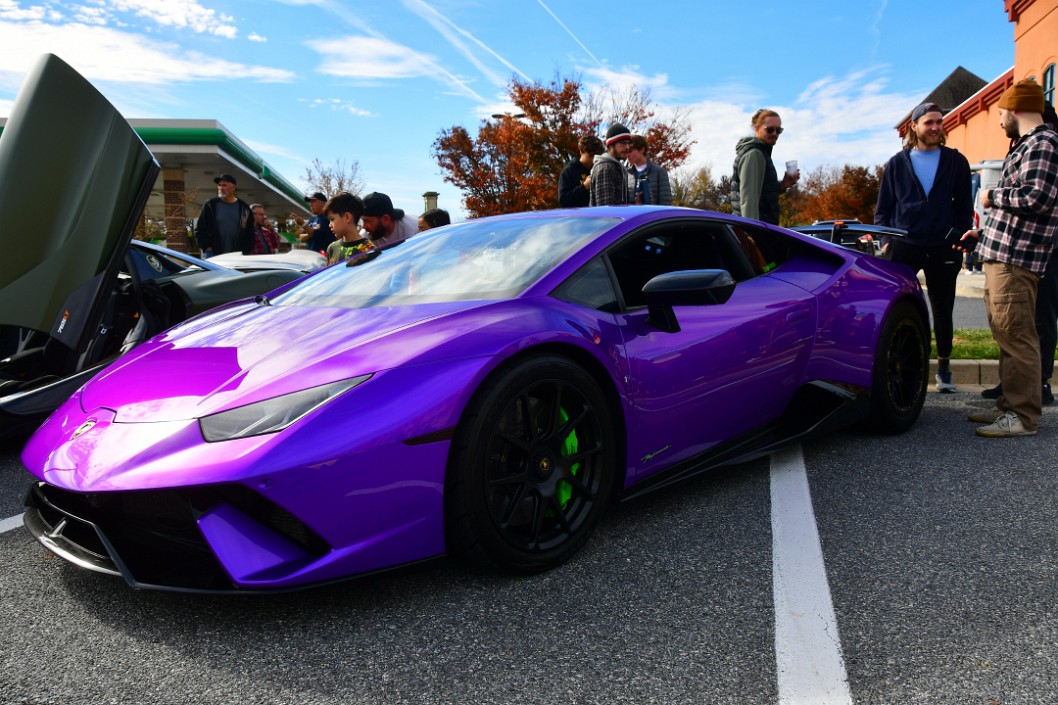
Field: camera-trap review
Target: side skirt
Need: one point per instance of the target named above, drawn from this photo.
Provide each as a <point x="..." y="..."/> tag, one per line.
<point x="818" y="408"/>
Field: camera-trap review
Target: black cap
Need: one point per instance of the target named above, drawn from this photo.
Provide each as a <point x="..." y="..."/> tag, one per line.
<point x="316" y="197"/>
<point x="923" y="109"/>
<point x="379" y="204"/>
<point x="225" y="177"/>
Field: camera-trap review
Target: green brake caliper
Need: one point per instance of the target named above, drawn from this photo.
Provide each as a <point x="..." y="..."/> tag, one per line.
<point x="564" y="490"/>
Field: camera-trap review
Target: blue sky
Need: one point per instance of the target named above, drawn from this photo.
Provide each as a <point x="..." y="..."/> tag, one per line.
<point x="375" y="81"/>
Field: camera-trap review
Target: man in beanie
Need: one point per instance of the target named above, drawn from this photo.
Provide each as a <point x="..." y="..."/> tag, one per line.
<point x="1046" y="302"/>
<point x="925" y="190"/>
<point x="755" y="187"/>
<point x="1016" y="244"/>
<point x="609" y="185"/>
<point x="385" y="224"/>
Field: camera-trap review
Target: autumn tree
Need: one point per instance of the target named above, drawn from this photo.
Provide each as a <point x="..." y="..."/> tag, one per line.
<point x="514" y="162"/>
<point x="700" y="189"/>
<point x="833" y="193"/>
<point x="334" y="178"/>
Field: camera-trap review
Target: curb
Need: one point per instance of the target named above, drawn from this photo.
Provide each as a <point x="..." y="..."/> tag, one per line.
<point x="971" y="372"/>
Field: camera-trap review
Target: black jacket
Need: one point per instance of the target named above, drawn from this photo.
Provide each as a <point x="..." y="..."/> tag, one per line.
<point x="206" y="228"/>
<point x="927" y="218"/>
<point x="571" y="191"/>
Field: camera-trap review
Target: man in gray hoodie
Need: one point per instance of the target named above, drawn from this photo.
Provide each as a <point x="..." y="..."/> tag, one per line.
<point x="755" y="187"/>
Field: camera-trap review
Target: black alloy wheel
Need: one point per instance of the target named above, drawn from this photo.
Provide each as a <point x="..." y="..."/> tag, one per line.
<point x="901" y="370"/>
<point x="532" y="467"/>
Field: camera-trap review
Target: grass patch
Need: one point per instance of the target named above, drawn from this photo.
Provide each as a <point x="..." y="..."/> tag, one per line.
<point x="971" y="344"/>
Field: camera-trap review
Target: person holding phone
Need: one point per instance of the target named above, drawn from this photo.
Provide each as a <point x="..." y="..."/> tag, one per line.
<point x="1017" y="244"/>
<point x="926" y="190"/>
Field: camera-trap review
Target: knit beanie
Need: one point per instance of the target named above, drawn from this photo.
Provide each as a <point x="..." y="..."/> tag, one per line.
<point x="618" y="133"/>
<point x="1024" y="95"/>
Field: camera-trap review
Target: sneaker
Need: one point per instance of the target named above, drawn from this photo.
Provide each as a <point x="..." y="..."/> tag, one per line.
<point x="993" y="393"/>
<point x="1006" y="426"/>
<point x="984" y="416"/>
<point x="1048" y="398"/>
<point x="944" y="383"/>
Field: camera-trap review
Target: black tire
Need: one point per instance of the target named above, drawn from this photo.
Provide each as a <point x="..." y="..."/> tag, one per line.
<point x="901" y="371"/>
<point x="532" y="466"/>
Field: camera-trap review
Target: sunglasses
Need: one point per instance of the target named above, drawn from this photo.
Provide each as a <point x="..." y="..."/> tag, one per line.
<point x="773" y="130"/>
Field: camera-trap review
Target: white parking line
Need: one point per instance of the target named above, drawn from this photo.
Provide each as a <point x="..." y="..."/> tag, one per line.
<point x="10" y="523"/>
<point x="809" y="662"/>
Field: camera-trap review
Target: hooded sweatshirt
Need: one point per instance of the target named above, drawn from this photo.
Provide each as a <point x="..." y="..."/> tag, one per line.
<point x="755" y="185"/>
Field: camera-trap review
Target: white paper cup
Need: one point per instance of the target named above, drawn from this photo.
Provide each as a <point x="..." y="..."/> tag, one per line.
<point x="791" y="166"/>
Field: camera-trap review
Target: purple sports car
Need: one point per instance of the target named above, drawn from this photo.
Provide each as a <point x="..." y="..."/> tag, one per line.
<point x="484" y="389"/>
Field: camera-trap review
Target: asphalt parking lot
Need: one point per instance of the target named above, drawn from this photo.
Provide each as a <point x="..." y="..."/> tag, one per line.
<point x="937" y="548"/>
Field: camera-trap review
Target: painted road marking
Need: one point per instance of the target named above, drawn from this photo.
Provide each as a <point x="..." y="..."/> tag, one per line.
<point x="10" y="523"/>
<point x="809" y="662"/>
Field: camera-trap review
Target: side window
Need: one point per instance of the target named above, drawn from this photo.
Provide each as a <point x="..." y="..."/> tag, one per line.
<point x="673" y="247"/>
<point x="590" y="286"/>
<point x="765" y="250"/>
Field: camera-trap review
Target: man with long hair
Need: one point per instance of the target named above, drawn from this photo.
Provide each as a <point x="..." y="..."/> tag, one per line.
<point x="926" y="191"/>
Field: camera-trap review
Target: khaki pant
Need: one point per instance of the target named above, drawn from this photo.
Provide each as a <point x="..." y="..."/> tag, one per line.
<point x="1010" y="298"/>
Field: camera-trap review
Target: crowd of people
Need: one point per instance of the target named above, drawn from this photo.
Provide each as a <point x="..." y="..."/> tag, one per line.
<point x="339" y="227"/>
<point x="925" y="190"/>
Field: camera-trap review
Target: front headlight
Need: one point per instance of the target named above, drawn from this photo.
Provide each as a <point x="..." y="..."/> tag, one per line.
<point x="271" y="415"/>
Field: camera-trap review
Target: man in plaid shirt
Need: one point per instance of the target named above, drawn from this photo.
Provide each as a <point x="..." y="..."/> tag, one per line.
<point x="1016" y="244"/>
<point x="609" y="184"/>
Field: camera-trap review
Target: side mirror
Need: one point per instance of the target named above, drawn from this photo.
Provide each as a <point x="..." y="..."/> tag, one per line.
<point x="698" y="287"/>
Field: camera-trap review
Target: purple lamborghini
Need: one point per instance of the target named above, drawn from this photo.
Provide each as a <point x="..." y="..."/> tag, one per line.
<point x="483" y="390"/>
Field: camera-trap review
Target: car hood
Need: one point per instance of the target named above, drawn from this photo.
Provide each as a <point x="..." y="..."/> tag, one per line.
<point x="249" y="352"/>
<point x="300" y="260"/>
<point x="75" y="178"/>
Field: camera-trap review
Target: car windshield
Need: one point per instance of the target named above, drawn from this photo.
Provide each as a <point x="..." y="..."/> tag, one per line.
<point x="485" y="259"/>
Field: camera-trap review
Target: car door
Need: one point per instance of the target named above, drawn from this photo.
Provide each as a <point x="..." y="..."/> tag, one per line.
<point x="731" y="367"/>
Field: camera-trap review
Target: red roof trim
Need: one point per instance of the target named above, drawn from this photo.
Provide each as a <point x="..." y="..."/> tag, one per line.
<point x="979" y="102"/>
<point x="1014" y="8"/>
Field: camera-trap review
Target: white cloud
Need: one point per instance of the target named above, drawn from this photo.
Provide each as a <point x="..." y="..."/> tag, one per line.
<point x="284" y="152"/>
<point x="101" y="53"/>
<point x="10" y="10"/>
<point x="370" y="57"/>
<point x="90" y="15"/>
<point x="182" y="14"/>
<point x="336" y="104"/>
<point x="255" y="37"/>
<point x="833" y="122"/>
<point x="373" y="58"/>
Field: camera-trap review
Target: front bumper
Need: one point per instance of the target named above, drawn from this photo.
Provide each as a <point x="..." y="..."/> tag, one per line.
<point x="171" y="539"/>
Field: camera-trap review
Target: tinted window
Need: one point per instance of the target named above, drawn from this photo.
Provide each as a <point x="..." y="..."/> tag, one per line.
<point x="674" y="247"/>
<point x="764" y="249"/>
<point x="591" y="286"/>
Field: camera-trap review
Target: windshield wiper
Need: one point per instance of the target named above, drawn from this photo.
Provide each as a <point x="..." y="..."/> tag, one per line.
<point x="262" y="299"/>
